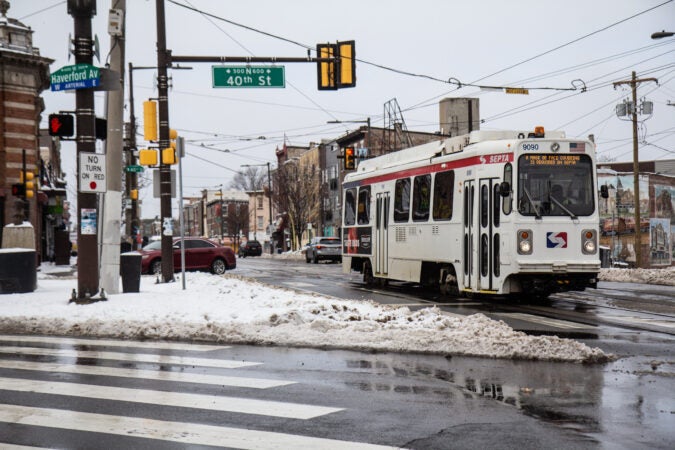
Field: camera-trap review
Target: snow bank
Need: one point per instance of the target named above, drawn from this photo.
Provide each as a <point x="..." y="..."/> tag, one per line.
<point x="665" y="277"/>
<point x="235" y="310"/>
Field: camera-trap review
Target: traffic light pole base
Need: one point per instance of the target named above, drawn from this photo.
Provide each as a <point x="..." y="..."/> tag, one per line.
<point x="87" y="299"/>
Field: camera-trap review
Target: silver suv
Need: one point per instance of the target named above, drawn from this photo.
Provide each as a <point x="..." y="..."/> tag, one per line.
<point x="324" y="248"/>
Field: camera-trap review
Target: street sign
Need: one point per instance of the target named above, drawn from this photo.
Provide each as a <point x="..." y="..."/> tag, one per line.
<point x="248" y="77"/>
<point x="78" y="76"/>
<point x="92" y="173"/>
<point x="134" y="169"/>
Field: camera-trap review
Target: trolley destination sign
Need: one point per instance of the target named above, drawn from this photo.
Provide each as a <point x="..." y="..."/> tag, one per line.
<point x="78" y="76"/>
<point x="248" y="76"/>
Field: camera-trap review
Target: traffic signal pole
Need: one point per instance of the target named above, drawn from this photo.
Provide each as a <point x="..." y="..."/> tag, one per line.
<point x="87" y="203"/>
<point x="163" y="61"/>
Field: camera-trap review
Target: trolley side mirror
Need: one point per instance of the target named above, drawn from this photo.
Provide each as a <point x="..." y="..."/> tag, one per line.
<point x="604" y="192"/>
<point x="505" y="189"/>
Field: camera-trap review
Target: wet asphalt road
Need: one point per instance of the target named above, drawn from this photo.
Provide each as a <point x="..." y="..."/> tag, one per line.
<point x="65" y="393"/>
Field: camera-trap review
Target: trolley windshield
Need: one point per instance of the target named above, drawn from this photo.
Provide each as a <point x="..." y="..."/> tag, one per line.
<point x="555" y="185"/>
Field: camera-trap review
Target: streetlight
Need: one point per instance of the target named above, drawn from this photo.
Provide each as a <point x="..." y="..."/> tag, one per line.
<point x="367" y="121"/>
<point x="269" y="189"/>
<point x="662" y="34"/>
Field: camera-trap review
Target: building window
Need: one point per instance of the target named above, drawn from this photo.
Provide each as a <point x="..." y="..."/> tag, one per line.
<point x="260" y="202"/>
<point x="261" y="222"/>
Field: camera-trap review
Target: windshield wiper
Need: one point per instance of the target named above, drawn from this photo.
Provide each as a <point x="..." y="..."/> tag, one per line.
<point x="534" y="207"/>
<point x="561" y="206"/>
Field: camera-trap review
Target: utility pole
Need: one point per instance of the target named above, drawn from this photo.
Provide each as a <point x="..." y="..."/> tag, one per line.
<point x="163" y="61"/>
<point x="112" y="199"/>
<point x="633" y="82"/>
<point x="132" y="177"/>
<point x="87" y="202"/>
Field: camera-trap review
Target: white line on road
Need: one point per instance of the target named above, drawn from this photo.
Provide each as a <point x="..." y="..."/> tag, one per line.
<point x="543" y="320"/>
<point x="219" y="380"/>
<point x="643" y="321"/>
<point x="185" y="433"/>
<point x="134" y="357"/>
<point x="181" y="432"/>
<point x="164" y="398"/>
<point x="111" y="343"/>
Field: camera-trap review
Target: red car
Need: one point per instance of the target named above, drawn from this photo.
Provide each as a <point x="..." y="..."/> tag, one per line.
<point x="200" y="254"/>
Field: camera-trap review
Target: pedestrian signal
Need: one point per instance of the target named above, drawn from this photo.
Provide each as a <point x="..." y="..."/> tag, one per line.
<point x="61" y="125"/>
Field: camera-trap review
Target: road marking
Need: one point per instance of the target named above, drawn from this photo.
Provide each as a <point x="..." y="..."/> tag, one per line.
<point x="543" y="320"/>
<point x="112" y="343"/>
<point x="134" y="357"/>
<point x="164" y="398"/>
<point x="185" y="433"/>
<point x="218" y="380"/>
<point x="299" y="284"/>
<point x="643" y="320"/>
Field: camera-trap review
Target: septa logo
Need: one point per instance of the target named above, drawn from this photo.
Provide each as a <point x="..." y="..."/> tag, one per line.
<point x="556" y="240"/>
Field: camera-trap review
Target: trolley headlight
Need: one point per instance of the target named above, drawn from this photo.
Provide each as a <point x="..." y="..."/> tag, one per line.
<point x="525" y="242"/>
<point x="589" y="239"/>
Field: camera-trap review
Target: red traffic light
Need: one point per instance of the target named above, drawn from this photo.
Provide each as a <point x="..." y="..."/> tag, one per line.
<point x="61" y="125"/>
<point x="349" y="161"/>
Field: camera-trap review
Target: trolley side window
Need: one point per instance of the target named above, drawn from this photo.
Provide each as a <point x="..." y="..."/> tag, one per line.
<point x="443" y="195"/>
<point x="363" y="216"/>
<point x="350" y="207"/>
<point x="402" y="200"/>
<point x="421" y="198"/>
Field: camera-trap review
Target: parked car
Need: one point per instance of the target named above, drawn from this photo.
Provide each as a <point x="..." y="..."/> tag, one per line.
<point x="324" y="248"/>
<point x="200" y="254"/>
<point x="250" y="248"/>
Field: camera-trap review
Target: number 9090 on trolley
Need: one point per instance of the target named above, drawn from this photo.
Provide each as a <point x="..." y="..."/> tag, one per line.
<point x="491" y="212"/>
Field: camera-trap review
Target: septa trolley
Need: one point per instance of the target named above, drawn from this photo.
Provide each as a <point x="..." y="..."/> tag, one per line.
<point x="491" y="212"/>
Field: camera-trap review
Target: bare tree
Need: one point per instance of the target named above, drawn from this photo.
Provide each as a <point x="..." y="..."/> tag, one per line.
<point x="237" y="222"/>
<point x="249" y="179"/>
<point x="297" y="195"/>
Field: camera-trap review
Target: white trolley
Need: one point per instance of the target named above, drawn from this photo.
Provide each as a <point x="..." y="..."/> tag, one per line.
<point x="491" y="212"/>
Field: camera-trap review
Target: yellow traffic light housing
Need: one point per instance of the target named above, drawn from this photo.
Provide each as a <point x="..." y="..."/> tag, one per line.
<point x="28" y="183"/>
<point x="340" y="71"/>
<point x="147" y="157"/>
<point x="133" y="194"/>
<point x="150" y="120"/>
<point x="169" y="156"/>
<point x="350" y="158"/>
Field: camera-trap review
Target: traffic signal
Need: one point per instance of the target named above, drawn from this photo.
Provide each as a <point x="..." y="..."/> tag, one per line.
<point x="101" y="129"/>
<point x="18" y="190"/>
<point x="147" y="157"/>
<point x="169" y="154"/>
<point x="133" y="194"/>
<point x="28" y="184"/>
<point x="340" y="72"/>
<point x="150" y="120"/>
<point x="350" y="160"/>
<point x="61" y="125"/>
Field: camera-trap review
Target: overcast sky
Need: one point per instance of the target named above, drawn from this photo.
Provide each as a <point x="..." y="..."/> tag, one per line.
<point x="485" y="42"/>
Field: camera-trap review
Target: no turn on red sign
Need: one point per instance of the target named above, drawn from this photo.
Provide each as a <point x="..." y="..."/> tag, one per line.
<point x="92" y="173"/>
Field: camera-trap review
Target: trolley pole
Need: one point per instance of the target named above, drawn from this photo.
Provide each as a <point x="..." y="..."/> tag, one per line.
<point x="633" y="82"/>
<point x="87" y="203"/>
<point x="163" y="61"/>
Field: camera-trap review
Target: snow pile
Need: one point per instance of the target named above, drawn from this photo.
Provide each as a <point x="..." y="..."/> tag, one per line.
<point x="236" y="310"/>
<point x="665" y="277"/>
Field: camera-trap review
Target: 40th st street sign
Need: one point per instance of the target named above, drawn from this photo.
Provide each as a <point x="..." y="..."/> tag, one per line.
<point x="78" y="76"/>
<point x="248" y="77"/>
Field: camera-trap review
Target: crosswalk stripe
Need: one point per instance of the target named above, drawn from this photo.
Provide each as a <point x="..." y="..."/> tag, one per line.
<point x="186" y="433"/>
<point x="219" y="380"/>
<point x="134" y="357"/>
<point x="164" y="398"/>
<point x="5" y="446"/>
<point x="111" y="343"/>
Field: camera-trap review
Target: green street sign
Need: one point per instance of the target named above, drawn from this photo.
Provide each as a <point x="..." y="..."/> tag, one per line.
<point x="78" y="76"/>
<point x="135" y="169"/>
<point x="248" y="77"/>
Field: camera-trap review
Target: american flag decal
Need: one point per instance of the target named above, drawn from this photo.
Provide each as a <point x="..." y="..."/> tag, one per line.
<point x="578" y="147"/>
